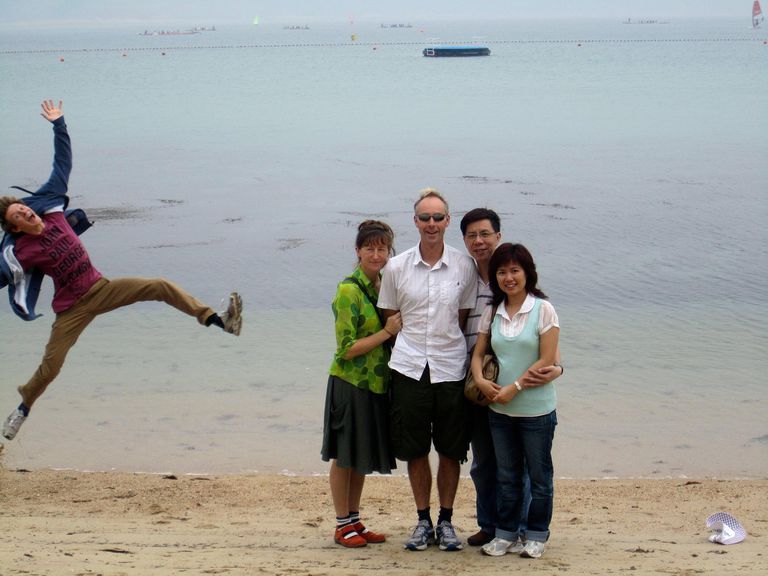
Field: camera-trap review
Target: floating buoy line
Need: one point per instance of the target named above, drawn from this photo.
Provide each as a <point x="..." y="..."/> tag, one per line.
<point x="377" y="44"/>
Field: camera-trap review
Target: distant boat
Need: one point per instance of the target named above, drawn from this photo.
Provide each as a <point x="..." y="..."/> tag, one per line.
<point x="629" y="21"/>
<point x="440" y="51"/>
<point x="170" y="32"/>
<point x="757" y="14"/>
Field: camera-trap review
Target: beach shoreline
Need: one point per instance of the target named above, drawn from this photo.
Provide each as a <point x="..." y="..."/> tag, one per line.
<point x="62" y="521"/>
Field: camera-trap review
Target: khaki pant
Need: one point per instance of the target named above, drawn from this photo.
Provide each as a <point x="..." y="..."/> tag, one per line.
<point x="103" y="296"/>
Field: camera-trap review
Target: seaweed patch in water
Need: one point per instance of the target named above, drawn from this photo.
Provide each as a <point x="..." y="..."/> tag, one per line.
<point x="117" y="213"/>
<point x="290" y="243"/>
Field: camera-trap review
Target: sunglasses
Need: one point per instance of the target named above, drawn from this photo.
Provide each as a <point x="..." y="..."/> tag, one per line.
<point x="437" y="217"/>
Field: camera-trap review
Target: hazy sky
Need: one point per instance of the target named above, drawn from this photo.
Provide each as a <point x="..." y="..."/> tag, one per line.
<point x="205" y="12"/>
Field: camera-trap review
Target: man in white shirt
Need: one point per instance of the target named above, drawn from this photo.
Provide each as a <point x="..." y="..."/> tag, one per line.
<point x="434" y="287"/>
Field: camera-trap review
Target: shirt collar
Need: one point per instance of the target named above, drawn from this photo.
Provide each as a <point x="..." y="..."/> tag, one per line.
<point x="445" y="258"/>
<point x="360" y="275"/>
<point x="527" y="306"/>
<point x="480" y="281"/>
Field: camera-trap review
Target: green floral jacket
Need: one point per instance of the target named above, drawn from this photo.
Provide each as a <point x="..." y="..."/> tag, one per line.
<point x="356" y="318"/>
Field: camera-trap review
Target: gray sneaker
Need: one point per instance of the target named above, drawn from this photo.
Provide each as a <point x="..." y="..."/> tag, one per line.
<point x="422" y="536"/>
<point x="13" y="423"/>
<point x="232" y="319"/>
<point x="446" y="537"/>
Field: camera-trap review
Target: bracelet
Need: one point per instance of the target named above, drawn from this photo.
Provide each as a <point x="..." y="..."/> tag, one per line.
<point x="390" y="333"/>
<point x="517" y="385"/>
<point x="562" y="369"/>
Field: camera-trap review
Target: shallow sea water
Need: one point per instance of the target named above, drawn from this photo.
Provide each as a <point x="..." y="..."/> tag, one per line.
<point x="629" y="159"/>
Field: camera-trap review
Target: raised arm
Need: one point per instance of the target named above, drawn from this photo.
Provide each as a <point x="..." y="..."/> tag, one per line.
<point x="58" y="182"/>
<point x="51" y="112"/>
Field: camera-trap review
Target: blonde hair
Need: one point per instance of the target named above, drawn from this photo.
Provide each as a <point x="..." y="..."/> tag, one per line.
<point x="430" y="193"/>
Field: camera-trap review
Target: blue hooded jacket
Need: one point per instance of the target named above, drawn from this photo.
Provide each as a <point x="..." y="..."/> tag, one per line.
<point x="24" y="285"/>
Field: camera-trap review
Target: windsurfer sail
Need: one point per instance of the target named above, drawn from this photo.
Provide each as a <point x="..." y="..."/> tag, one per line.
<point x="757" y="14"/>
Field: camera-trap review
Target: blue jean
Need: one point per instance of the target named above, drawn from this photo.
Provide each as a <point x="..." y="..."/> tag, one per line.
<point x="483" y="469"/>
<point x="483" y="474"/>
<point x="518" y="441"/>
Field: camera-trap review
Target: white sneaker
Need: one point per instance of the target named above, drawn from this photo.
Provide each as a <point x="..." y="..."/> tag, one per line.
<point x="232" y="319"/>
<point x="532" y="549"/>
<point x="13" y="423"/>
<point x="498" y="547"/>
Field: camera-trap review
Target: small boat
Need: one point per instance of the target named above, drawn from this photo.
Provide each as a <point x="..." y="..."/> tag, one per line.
<point x="629" y="21"/>
<point x="169" y="32"/>
<point x="439" y="51"/>
<point x="757" y="14"/>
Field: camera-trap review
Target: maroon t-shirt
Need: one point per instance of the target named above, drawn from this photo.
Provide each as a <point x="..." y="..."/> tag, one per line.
<point x="58" y="253"/>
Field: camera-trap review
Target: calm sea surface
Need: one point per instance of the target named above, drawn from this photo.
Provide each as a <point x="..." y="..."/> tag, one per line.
<point x="631" y="159"/>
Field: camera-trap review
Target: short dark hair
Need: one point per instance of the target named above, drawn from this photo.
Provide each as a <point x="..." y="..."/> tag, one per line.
<point x="5" y="203"/>
<point x="477" y="214"/>
<point x="504" y="254"/>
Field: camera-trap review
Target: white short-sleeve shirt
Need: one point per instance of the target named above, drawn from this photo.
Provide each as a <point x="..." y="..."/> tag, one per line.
<point x="429" y="299"/>
<point x="511" y="327"/>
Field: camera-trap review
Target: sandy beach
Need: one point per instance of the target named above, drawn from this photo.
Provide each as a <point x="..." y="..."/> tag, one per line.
<point x="64" y="522"/>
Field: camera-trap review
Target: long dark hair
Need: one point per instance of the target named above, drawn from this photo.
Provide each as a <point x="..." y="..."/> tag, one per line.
<point x="519" y="254"/>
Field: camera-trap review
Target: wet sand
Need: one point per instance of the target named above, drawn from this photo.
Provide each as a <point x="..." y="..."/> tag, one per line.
<point x="63" y="522"/>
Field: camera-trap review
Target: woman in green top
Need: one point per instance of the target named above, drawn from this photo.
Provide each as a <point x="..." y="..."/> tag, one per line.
<point x="356" y="423"/>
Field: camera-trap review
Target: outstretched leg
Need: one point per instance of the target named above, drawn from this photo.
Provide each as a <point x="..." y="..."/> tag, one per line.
<point x="126" y="291"/>
<point x="65" y="331"/>
<point x="103" y="297"/>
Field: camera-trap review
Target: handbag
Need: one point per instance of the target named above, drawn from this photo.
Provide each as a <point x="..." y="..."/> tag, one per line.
<point x="490" y="372"/>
